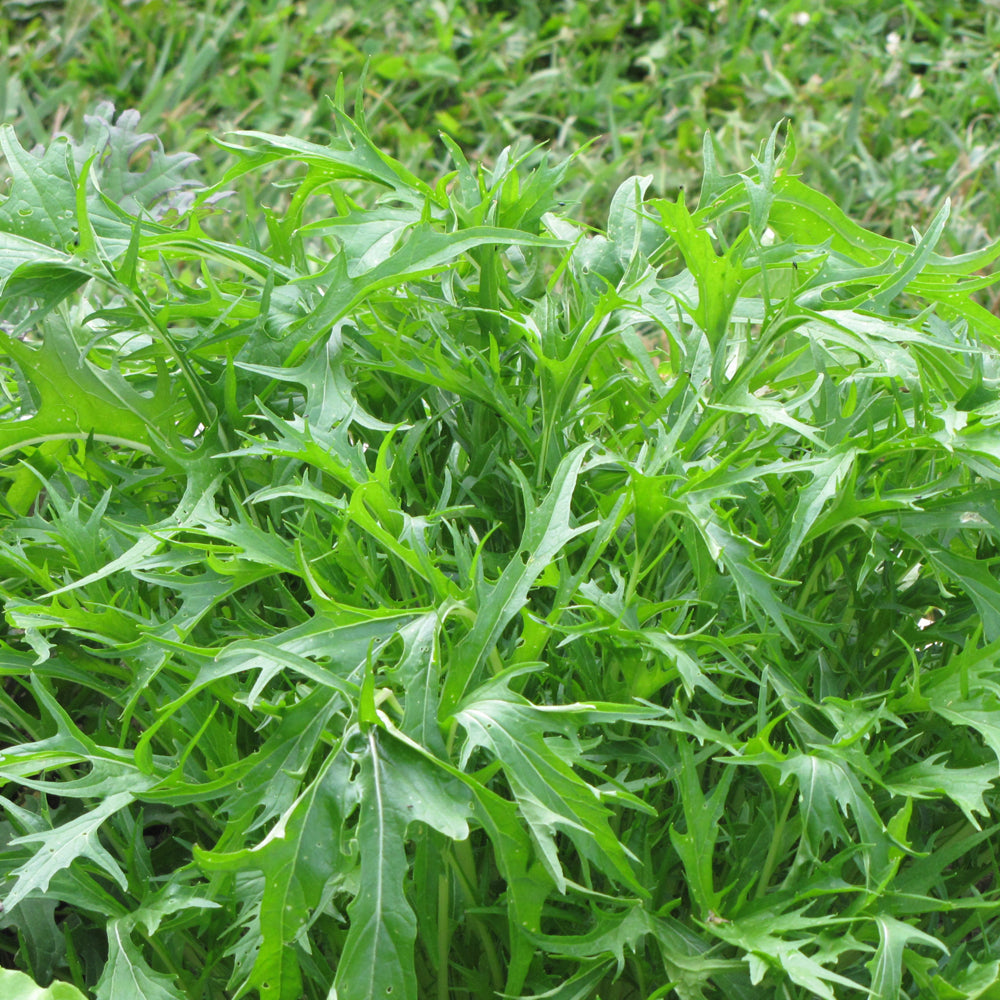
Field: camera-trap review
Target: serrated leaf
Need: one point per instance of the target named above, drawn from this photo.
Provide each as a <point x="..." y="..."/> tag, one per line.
<point x="418" y="671"/>
<point x="271" y="783"/>
<point x="41" y="203"/>
<point x="351" y="155"/>
<point x="977" y="979"/>
<point x="44" y="944"/>
<point x="110" y="770"/>
<point x="396" y="787"/>
<point x="967" y="692"/>
<point x="425" y="252"/>
<point x="76" y="398"/>
<point x="547" y="530"/>
<point x="827" y="789"/>
<point x="552" y="797"/>
<point x="60" y="847"/>
<point x="965" y="786"/>
<point x="761" y="936"/>
<point x="117" y="145"/>
<point x="329" y="393"/>
<point x="826" y="482"/>
<point x="977" y="581"/>
<point x="696" y="845"/>
<point x="808" y="216"/>
<point x="719" y="278"/>
<point x="299" y="855"/>
<point x="172" y="898"/>
<point x="529" y="883"/>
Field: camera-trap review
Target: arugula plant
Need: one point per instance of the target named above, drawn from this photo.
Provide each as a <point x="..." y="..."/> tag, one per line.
<point x="425" y="596"/>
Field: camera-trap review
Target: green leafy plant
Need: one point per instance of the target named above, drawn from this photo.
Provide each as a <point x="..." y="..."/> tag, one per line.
<point x="425" y="596"/>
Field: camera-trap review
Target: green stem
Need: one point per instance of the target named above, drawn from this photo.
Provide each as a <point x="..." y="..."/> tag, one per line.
<point x="771" y="861"/>
<point x="443" y="936"/>
<point x="464" y="865"/>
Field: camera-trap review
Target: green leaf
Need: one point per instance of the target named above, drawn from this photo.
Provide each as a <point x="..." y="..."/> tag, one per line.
<point x="396" y="787"/>
<point x="60" y="847"/>
<point x="547" y="530"/>
<point x="696" y="846"/>
<point x="40" y="205"/>
<point x="76" y="399"/>
<point x="830" y="791"/>
<point x="827" y="480"/>
<point x="352" y="155"/>
<point x="979" y="583"/>
<point x="117" y="145"/>
<point x="424" y="253"/>
<point x="967" y="692"/>
<point x="761" y="936"/>
<point x="18" y="986"/>
<point x="31" y="268"/>
<point x="977" y="979"/>
<point x="528" y="881"/>
<point x="807" y="216"/>
<point x="887" y="965"/>
<point x="55" y="199"/>
<point x="418" y="672"/>
<point x="551" y="796"/>
<point x="270" y="784"/>
<point x="299" y="855"/>
<point x="127" y="975"/>
<point x="719" y="278"/>
<point x="965" y="786"/>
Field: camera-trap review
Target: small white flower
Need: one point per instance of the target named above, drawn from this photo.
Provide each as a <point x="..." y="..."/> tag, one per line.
<point x="801" y="18"/>
<point x="767" y="237"/>
<point x="892" y="43"/>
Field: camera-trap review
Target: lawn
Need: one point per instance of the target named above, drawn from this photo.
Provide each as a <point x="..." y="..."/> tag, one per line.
<point x="499" y="499"/>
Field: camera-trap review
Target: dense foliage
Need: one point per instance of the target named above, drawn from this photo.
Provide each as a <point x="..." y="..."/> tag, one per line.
<point x="427" y="596"/>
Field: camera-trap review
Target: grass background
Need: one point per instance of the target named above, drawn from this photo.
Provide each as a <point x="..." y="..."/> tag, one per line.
<point x="894" y="104"/>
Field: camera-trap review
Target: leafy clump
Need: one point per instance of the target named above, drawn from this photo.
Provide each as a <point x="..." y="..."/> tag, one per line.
<point x="425" y="597"/>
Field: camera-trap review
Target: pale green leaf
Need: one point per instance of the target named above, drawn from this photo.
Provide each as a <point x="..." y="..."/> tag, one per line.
<point x="18" y="986"/>
<point x="887" y="965"/>
<point x="965" y="786"/>
<point x="60" y="847"/>
<point x="127" y="975"/>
